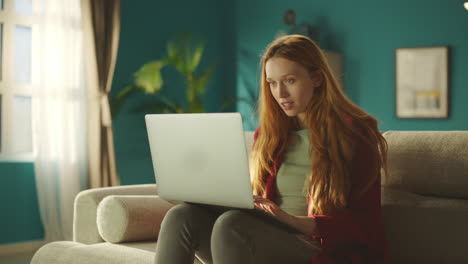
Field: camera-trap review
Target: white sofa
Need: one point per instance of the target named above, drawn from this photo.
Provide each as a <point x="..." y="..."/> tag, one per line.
<point x="424" y="201"/>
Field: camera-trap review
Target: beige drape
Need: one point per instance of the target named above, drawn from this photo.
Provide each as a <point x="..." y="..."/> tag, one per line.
<point x="101" y="26"/>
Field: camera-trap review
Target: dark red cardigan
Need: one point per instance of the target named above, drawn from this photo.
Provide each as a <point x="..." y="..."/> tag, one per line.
<point x="355" y="235"/>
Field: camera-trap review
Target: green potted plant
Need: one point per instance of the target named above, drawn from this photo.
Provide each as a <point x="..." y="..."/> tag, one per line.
<point x="184" y="55"/>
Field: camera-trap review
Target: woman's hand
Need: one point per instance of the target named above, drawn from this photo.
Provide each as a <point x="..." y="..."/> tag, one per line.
<point x="303" y="223"/>
<point x="272" y="208"/>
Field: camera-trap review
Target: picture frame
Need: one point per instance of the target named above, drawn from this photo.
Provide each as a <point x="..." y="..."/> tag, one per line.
<point x="422" y="82"/>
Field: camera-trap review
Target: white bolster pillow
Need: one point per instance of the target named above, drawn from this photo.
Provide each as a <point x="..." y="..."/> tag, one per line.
<point x="127" y="218"/>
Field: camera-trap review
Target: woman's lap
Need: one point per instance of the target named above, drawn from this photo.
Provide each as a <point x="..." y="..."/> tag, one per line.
<point x="265" y="242"/>
<point x="235" y="236"/>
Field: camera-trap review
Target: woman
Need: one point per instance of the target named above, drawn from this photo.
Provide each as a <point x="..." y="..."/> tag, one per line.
<point x="315" y="164"/>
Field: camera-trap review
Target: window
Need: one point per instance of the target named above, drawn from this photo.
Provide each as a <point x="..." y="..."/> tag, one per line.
<point x="18" y="26"/>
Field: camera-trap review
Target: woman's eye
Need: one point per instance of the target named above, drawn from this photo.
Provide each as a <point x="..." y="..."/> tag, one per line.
<point x="272" y="83"/>
<point x="290" y="81"/>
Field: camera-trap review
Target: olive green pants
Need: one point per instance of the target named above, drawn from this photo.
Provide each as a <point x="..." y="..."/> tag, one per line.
<point x="223" y="236"/>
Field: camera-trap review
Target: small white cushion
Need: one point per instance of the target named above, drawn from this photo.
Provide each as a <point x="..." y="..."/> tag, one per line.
<point x="127" y="218"/>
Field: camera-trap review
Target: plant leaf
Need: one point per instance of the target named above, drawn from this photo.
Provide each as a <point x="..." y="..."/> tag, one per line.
<point x="148" y="78"/>
<point x="175" y="56"/>
<point x="190" y="88"/>
<point x="196" y="57"/>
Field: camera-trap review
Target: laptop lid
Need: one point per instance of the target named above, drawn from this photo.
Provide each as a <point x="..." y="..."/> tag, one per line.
<point x="200" y="158"/>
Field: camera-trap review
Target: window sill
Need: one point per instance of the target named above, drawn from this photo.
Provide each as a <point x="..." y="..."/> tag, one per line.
<point x="18" y="157"/>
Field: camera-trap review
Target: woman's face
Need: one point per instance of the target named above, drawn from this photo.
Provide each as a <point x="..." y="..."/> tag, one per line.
<point x="290" y="84"/>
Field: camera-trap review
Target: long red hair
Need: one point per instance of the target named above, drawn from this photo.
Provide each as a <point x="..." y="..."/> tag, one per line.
<point x="336" y="127"/>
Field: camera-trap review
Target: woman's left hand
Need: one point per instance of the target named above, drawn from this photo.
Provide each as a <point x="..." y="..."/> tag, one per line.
<point x="304" y="223"/>
<point x="272" y="208"/>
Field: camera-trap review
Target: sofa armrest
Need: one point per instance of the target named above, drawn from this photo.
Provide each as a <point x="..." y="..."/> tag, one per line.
<point x="130" y="218"/>
<point x="85" y="228"/>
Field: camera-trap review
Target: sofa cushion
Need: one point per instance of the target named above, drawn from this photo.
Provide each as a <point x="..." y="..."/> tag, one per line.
<point x="428" y="163"/>
<point x="85" y="209"/>
<point x="425" y="229"/>
<point x="127" y="218"/>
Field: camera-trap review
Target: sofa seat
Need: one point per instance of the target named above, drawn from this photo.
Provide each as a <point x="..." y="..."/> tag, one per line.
<point x="101" y="253"/>
<point x="419" y="228"/>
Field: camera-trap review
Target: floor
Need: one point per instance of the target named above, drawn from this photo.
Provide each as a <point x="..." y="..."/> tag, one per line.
<point x="16" y="259"/>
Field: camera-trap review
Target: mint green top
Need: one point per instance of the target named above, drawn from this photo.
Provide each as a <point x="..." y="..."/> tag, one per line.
<point x="292" y="175"/>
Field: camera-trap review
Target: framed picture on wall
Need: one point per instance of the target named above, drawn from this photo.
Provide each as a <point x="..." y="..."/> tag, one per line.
<point x="422" y="87"/>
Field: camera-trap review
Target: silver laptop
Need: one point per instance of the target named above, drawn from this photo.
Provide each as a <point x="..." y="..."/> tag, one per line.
<point x="202" y="159"/>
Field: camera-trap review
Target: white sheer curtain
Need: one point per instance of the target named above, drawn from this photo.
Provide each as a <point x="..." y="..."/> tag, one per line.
<point x="59" y="115"/>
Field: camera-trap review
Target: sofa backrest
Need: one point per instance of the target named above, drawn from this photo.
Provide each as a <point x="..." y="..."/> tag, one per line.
<point x="423" y="162"/>
<point x="428" y="163"/>
<point x="425" y="196"/>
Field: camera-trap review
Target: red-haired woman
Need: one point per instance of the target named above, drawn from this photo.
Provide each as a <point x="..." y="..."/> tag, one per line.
<point x="315" y="164"/>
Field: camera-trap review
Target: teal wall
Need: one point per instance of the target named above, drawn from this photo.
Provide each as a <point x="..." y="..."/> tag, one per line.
<point x="366" y="33"/>
<point x="145" y="28"/>
<point x="20" y="220"/>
